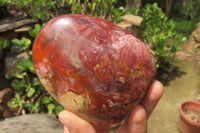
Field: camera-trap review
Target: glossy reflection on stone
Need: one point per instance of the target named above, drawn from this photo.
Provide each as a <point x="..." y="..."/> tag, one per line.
<point x="92" y="67"/>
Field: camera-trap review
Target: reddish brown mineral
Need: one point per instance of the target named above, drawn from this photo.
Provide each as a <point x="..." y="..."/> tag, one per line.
<point x="92" y="67"/>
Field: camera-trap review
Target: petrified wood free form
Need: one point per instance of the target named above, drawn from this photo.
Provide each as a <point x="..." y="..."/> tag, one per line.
<point x="92" y="67"/>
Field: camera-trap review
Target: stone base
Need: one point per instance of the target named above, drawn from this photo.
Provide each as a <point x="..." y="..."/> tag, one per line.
<point x="32" y="123"/>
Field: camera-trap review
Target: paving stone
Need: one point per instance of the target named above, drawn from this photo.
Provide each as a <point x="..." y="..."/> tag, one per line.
<point x="135" y="30"/>
<point x="32" y="123"/>
<point x="135" y="20"/>
<point x="124" y="25"/>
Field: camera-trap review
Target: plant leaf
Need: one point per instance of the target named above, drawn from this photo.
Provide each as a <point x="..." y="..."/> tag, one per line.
<point x="31" y="92"/>
<point x="51" y="108"/>
<point x="45" y="100"/>
<point x="58" y="109"/>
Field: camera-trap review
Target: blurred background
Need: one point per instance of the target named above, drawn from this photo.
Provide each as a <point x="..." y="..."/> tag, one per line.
<point x="169" y="28"/>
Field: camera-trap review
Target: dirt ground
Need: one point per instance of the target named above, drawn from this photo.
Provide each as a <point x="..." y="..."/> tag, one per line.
<point x="184" y="87"/>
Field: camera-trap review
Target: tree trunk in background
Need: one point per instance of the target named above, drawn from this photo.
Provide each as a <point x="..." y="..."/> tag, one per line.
<point x="169" y="5"/>
<point x="130" y="4"/>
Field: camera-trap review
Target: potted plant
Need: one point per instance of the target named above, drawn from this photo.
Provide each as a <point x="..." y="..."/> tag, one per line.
<point x="189" y="117"/>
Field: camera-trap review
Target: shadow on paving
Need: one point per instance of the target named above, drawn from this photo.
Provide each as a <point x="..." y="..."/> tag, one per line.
<point x="170" y="72"/>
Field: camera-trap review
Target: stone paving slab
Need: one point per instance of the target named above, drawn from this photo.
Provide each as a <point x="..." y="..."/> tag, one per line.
<point x="32" y="123"/>
<point x="135" y="20"/>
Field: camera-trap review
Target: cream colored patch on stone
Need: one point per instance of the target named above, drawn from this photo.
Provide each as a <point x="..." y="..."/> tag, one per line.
<point x="48" y="86"/>
<point x="72" y="101"/>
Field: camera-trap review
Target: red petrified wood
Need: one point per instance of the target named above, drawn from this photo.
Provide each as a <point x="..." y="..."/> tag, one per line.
<point x="92" y="67"/>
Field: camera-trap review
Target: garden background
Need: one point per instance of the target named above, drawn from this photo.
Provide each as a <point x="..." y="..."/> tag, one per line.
<point x="169" y="29"/>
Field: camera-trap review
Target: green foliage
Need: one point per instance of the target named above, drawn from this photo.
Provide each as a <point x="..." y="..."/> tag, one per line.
<point x="30" y="95"/>
<point x="134" y="11"/>
<point x="37" y="9"/>
<point x="46" y="100"/>
<point x="187" y="9"/>
<point x="159" y="33"/>
<point x="34" y="31"/>
<point x="117" y="13"/>
<point x="184" y="27"/>
<point x="21" y="3"/>
<point x="31" y="91"/>
<point x="5" y="2"/>
<point x="51" y="108"/>
<point x="105" y="9"/>
<point x="3" y="43"/>
<point x="45" y="9"/>
<point x="26" y="64"/>
<point x="41" y="9"/>
<point x="185" y="13"/>
<point x="24" y="43"/>
<point x="16" y="101"/>
<point x="58" y="109"/>
<point x="75" y="6"/>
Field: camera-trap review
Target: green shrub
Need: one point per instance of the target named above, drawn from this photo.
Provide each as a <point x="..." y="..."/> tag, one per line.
<point x="24" y="43"/>
<point x="5" y="2"/>
<point x="41" y="9"/>
<point x="37" y="9"/>
<point x="45" y="9"/>
<point x="34" y="31"/>
<point x="117" y="13"/>
<point x="160" y="34"/>
<point x="135" y="11"/>
<point x="105" y="9"/>
<point x="3" y="44"/>
<point x="185" y="26"/>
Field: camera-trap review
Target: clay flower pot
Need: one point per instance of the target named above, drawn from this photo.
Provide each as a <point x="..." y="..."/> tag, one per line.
<point x="186" y="124"/>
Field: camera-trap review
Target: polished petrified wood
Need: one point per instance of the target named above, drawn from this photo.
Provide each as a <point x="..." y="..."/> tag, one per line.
<point x="92" y="67"/>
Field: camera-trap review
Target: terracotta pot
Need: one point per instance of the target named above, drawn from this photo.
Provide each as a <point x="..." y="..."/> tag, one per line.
<point x="187" y="125"/>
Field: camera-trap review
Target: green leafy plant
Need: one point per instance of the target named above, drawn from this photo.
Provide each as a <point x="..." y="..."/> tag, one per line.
<point x="3" y="44"/>
<point x="41" y="9"/>
<point x="105" y="9"/>
<point x="16" y="101"/>
<point x="159" y="34"/>
<point x="185" y="14"/>
<point x="37" y="9"/>
<point x="117" y="13"/>
<point x="135" y="11"/>
<point x="21" y="3"/>
<point x="24" y="43"/>
<point x="76" y="6"/>
<point x="34" y="31"/>
<point x="45" y="9"/>
<point x="187" y="9"/>
<point x="5" y="2"/>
